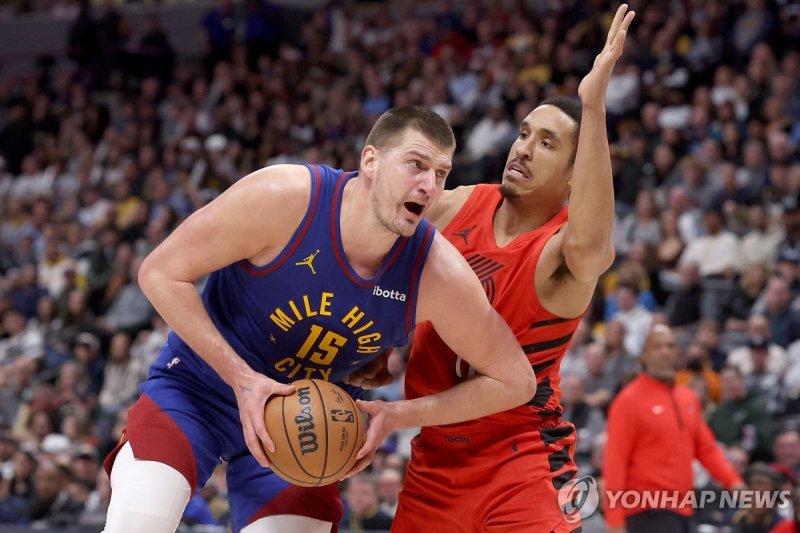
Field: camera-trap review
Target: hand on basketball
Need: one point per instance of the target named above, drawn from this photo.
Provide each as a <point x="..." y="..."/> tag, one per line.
<point x="382" y="421"/>
<point x="375" y="374"/>
<point x="592" y="89"/>
<point x="252" y="393"/>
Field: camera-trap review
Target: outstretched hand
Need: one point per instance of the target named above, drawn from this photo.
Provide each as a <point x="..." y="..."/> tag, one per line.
<point x="382" y="421"/>
<point x="592" y="89"/>
<point x="252" y="393"/>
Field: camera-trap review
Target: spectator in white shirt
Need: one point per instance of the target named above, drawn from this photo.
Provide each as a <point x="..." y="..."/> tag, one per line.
<point x="715" y="252"/>
<point x="633" y="316"/>
<point x="757" y="330"/>
<point x="759" y="245"/>
<point x="717" y="258"/>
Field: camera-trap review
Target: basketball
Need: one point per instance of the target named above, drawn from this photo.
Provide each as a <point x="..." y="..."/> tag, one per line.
<point x="317" y="432"/>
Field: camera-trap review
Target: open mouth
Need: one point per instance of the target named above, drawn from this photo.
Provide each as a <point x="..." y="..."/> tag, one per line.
<point x="414" y="207"/>
<point x="517" y="171"/>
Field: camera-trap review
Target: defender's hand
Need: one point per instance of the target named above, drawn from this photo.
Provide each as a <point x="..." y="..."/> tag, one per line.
<point x="252" y="392"/>
<point x="382" y="421"/>
<point x="592" y="89"/>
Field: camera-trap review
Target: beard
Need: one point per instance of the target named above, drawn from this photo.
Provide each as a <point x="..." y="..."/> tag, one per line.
<point x="382" y="214"/>
<point x="508" y="194"/>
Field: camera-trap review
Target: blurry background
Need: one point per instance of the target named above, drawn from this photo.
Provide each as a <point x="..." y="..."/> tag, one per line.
<point x="117" y="120"/>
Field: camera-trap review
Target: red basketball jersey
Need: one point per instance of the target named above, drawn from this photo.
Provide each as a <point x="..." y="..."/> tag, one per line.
<point x="507" y="275"/>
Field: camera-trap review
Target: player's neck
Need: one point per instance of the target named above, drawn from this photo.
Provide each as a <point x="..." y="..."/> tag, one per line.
<point x="515" y="217"/>
<point x="365" y="241"/>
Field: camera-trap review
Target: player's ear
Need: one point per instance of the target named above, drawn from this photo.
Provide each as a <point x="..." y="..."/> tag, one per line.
<point x="369" y="156"/>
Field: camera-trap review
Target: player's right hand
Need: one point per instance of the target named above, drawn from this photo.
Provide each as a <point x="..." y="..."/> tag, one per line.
<point x="252" y="392"/>
<point x="594" y="85"/>
<point x="376" y="374"/>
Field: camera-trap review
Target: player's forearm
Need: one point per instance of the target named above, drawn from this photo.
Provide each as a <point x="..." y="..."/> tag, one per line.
<point x="591" y="203"/>
<point x="179" y="304"/>
<point x="475" y="398"/>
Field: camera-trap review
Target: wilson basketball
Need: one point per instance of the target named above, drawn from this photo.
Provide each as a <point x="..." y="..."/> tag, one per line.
<point x="317" y="432"/>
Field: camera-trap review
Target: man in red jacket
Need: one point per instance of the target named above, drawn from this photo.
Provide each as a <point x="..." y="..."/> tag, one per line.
<point x="655" y="430"/>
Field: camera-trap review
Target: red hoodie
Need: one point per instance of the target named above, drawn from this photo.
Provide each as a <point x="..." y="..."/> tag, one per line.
<point x="654" y="432"/>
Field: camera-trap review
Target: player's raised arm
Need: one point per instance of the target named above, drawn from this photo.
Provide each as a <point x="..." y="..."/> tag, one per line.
<point x="452" y="298"/>
<point x="586" y="243"/>
<point x="229" y="229"/>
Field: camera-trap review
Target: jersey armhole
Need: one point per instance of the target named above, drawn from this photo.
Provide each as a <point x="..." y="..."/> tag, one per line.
<point x="299" y="234"/>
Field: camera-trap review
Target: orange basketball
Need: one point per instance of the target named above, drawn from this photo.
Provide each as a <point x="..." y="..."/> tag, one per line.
<point x="317" y="432"/>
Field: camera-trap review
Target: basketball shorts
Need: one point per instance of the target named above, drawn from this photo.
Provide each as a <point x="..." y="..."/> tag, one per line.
<point x="501" y="479"/>
<point x="191" y="426"/>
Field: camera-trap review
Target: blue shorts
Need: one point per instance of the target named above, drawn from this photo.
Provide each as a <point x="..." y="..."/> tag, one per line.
<point x="192" y="426"/>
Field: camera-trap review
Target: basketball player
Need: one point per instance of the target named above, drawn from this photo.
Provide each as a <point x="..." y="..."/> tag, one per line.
<point x="503" y="472"/>
<point x="314" y="272"/>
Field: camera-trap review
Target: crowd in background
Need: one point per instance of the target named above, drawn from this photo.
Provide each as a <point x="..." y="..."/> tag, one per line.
<point x="104" y="153"/>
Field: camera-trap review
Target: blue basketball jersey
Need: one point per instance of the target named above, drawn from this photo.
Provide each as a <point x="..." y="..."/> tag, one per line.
<point x="308" y="314"/>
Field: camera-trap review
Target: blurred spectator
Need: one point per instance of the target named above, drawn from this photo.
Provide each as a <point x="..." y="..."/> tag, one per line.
<point x="759" y="517"/>
<point x="390" y="482"/>
<point x="741" y="419"/>
<point x="598" y="385"/>
<point x="620" y="364"/>
<point x="793" y="524"/>
<point x="784" y="322"/>
<point x="87" y="348"/>
<point x="633" y="316"/>
<point x="130" y="310"/>
<point x="22" y="339"/>
<point x="52" y="506"/>
<point x="684" y="303"/>
<point x="26" y="290"/>
<point x="699" y="368"/>
<point x="16" y="488"/>
<point x="760" y="244"/>
<point x="362" y="511"/>
<point x="219" y="24"/>
<point x="759" y="335"/>
<point x="715" y="254"/>
<point x="589" y="421"/>
<point x="746" y="293"/>
<point x="786" y="451"/>
<point x="122" y="376"/>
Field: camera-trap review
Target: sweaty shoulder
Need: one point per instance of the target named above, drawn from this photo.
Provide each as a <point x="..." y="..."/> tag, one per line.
<point x="449" y="205"/>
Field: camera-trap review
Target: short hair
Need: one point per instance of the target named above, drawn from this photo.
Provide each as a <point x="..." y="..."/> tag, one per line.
<point x="394" y="122"/>
<point x="634" y="288"/>
<point x="574" y="110"/>
<point x="733" y="368"/>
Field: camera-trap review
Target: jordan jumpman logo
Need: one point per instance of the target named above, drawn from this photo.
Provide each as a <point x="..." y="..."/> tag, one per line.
<point x="308" y="261"/>
<point x="464" y="233"/>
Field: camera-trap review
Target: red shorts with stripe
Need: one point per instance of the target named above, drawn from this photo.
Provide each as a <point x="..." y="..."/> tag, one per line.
<point x="500" y="479"/>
